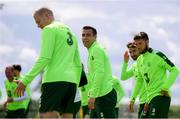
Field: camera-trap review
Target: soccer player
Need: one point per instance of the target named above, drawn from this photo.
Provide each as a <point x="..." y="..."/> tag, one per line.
<point x="60" y="60"/>
<point x="133" y="72"/>
<point x="103" y="97"/>
<point x="16" y="106"/>
<point x="18" y="76"/>
<point x="153" y="67"/>
<point x="119" y="91"/>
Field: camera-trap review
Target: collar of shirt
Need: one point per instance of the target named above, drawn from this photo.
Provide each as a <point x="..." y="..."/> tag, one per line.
<point x="91" y="47"/>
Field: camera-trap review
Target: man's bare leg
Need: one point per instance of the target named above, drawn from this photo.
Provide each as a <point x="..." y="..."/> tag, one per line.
<point x="53" y="114"/>
<point x="66" y="115"/>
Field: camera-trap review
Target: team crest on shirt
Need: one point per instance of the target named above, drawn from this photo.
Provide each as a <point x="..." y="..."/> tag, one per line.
<point x="69" y="39"/>
<point x="92" y="58"/>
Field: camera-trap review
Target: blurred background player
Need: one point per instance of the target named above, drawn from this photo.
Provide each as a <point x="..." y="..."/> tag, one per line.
<point x="15" y="106"/>
<point x="120" y="93"/>
<point x="133" y="72"/>
<point x="18" y="76"/>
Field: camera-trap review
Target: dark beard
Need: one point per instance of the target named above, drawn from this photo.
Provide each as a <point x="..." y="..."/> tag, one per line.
<point x="145" y="50"/>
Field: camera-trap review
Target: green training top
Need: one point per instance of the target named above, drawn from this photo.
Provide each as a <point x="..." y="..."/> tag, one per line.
<point x="119" y="90"/>
<point x="59" y="56"/>
<point x="153" y="67"/>
<point x="85" y="92"/>
<point x="99" y="71"/>
<point x="128" y="73"/>
<point x="10" y="88"/>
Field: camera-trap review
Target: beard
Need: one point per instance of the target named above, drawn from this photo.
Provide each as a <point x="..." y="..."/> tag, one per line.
<point x="145" y="49"/>
<point x="134" y="58"/>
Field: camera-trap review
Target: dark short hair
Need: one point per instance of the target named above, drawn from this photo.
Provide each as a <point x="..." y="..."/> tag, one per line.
<point x="17" y="67"/>
<point x="92" y="28"/>
<point x="131" y="45"/>
<point x="9" y="67"/>
<point x="141" y="35"/>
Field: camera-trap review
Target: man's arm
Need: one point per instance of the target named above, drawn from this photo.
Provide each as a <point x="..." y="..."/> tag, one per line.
<point x="98" y="66"/>
<point x="136" y="91"/>
<point x="10" y="99"/>
<point x="47" y="48"/>
<point x="125" y="73"/>
<point x="173" y="71"/>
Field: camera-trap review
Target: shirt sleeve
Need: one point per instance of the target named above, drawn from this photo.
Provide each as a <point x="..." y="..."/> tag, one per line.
<point x="98" y="66"/>
<point x="137" y="88"/>
<point x="125" y="73"/>
<point x="173" y="72"/>
<point x="117" y="85"/>
<point x="121" y="91"/>
<point x="46" y="52"/>
<point x="25" y="96"/>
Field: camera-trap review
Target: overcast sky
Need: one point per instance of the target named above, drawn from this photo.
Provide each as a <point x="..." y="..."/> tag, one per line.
<point x="116" y="22"/>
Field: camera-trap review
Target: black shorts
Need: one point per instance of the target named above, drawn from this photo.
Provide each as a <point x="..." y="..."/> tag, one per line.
<point x="57" y="96"/>
<point x="141" y="112"/>
<point x="106" y="104"/>
<point x="19" y="113"/>
<point x="159" y="107"/>
<point x="77" y="106"/>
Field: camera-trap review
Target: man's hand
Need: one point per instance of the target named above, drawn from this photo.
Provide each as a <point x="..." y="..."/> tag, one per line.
<point x="9" y="100"/>
<point x="131" y="105"/>
<point x="91" y="102"/>
<point x="16" y="81"/>
<point x="165" y="93"/>
<point x="126" y="57"/>
<point x="20" y="89"/>
<point x="146" y="107"/>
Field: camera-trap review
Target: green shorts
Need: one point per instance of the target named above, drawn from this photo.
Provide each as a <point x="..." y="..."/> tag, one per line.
<point x="57" y="96"/>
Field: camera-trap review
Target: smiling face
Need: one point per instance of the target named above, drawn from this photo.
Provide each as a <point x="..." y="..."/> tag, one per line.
<point x="142" y="41"/>
<point x="9" y="73"/>
<point x="88" y="37"/>
<point x="142" y="45"/>
<point x="134" y="53"/>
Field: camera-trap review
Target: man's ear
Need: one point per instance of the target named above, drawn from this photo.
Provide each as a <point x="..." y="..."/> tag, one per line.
<point x="147" y="41"/>
<point x="95" y="37"/>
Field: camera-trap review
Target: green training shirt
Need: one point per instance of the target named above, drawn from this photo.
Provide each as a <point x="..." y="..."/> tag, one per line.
<point x="119" y="90"/>
<point x="10" y="88"/>
<point x="99" y="71"/>
<point x="133" y="72"/>
<point x="153" y="66"/>
<point x="59" y="56"/>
